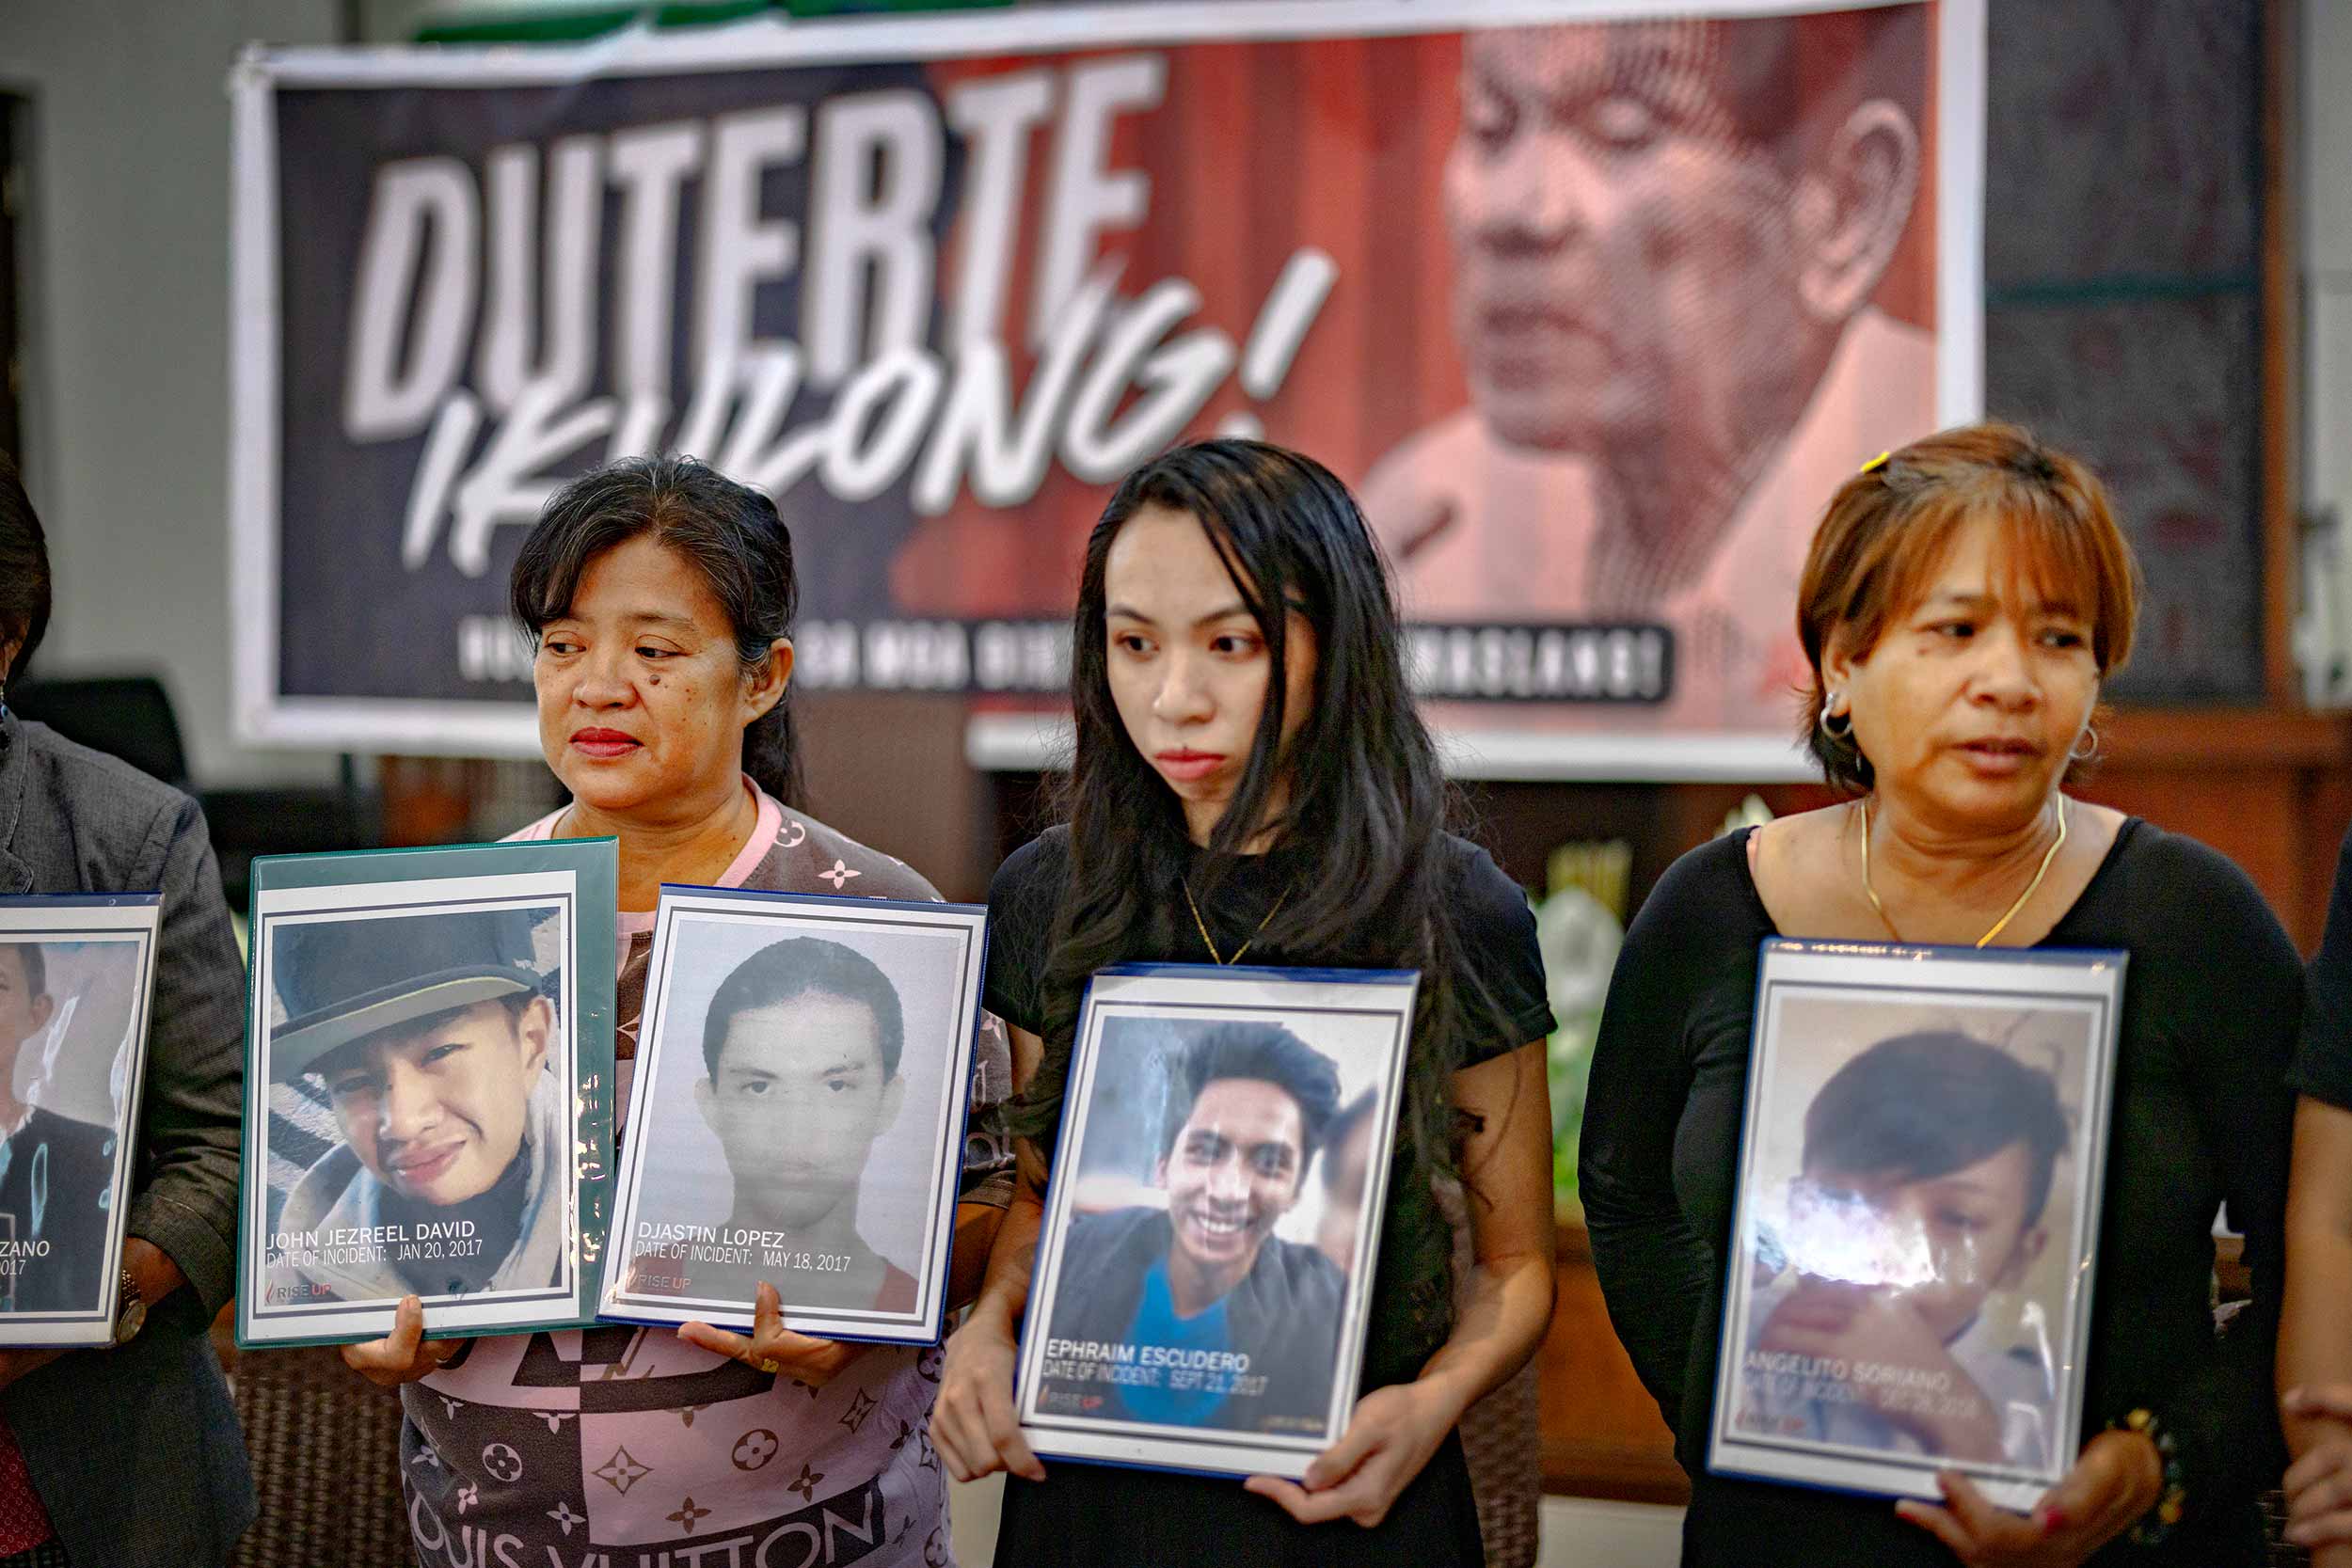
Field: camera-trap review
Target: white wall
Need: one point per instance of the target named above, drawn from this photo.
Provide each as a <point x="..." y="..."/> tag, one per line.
<point x="2324" y="189"/>
<point x="2326" y="157"/>
<point x="126" y="374"/>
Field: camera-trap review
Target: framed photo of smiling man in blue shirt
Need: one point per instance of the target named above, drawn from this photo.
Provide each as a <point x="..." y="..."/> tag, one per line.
<point x="1203" y="1277"/>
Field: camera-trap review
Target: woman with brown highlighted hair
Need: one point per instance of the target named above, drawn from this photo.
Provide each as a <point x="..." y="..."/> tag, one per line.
<point x="1964" y="600"/>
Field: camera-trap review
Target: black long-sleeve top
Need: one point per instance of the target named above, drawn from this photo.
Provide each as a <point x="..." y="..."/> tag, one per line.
<point x="2323" y="1065"/>
<point x="2202" y="1117"/>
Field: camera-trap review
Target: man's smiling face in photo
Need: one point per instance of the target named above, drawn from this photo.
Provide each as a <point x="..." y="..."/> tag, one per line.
<point x="437" y="1113"/>
<point x="1234" y="1172"/>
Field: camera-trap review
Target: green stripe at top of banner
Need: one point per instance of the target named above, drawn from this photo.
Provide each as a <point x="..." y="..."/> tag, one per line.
<point x="558" y="23"/>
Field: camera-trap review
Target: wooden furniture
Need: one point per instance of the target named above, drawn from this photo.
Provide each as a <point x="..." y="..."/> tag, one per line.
<point x="2271" y="790"/>
<point x="1602" y="1433"/>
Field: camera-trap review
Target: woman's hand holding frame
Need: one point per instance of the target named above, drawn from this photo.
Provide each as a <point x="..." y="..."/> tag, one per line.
<point x="2314" y="1351"/>
<point x="1506" y="1171"/>
<point x="2319" y="1485"/>
<point x="1389" y="1440"/>
<point x="2112" y="1486"/>
<point x="775" y="1348"/>
<point x="405" y="1355"/>
<point x="974" y="1425"/>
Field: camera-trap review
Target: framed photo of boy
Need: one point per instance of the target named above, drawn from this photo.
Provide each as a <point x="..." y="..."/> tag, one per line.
<point x="797" y="1113"/>
<point x="1917" y="1217"/>
<point x="1205" y="1275"/>
<point x="77" y="972"/>
<point x="429" y="1076"/>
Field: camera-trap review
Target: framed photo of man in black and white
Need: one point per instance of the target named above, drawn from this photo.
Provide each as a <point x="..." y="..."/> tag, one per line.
<point x="1917" y="1217"/>
<point x="1205" y="1275"/>
<point x="78" y="973"/>
<point x="797" y="1117"/>
<point x="429" y="1070"/>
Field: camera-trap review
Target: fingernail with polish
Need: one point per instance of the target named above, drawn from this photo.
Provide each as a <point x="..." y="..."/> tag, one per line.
<point x="2053" y="1519"/>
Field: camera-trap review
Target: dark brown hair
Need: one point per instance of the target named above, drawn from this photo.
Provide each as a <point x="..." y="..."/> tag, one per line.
<point x="24" y="570"/>
<point x="1888" y="525"/>
<point x="1366" y="809"/>
<point x="730" y="533"/>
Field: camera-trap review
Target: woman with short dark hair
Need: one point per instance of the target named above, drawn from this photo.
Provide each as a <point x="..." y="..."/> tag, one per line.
<point x="1251" y="780"/>
<point x="80" y="822"/>
<point x="1964" y="599"/>
<point x="660" y="596"/>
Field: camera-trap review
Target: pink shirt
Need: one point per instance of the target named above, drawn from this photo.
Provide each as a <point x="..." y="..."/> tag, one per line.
<point x="632" y="923"/>
<point x="622" y="1444"/>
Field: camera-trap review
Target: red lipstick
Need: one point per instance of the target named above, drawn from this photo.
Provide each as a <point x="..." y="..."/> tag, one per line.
<point x="603" y="743"/>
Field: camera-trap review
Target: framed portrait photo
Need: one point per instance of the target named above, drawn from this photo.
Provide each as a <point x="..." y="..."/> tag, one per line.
<point x="1205" y="1276"/>
<point x="1917" y="1217"/>
<point x="429" y="1090"/>
<point x="797" y="1113"/>
<point x="77" y="976"/>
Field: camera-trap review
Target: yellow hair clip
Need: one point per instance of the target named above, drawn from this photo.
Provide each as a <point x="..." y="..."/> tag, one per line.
<point x="1877" y="463"/>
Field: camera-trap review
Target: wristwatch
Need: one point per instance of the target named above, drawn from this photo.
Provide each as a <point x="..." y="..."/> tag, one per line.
<point x="130" y="1308"/>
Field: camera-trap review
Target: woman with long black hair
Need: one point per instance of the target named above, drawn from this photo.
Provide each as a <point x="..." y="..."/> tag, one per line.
<point x="1251" y="779"/>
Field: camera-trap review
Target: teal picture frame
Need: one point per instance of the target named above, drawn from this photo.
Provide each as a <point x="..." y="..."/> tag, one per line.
<point x="294" y="1263"/>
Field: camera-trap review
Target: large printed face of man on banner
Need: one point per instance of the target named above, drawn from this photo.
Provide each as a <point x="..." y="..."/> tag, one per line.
<point x="1666" y="240"/>
<point x="1593" y="317"/>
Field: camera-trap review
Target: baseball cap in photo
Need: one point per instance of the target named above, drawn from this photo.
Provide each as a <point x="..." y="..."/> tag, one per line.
<point x="342" y="980"/>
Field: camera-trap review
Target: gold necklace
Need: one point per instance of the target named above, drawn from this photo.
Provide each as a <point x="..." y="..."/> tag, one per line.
<point x="2000" y="925"/>
<point x="1201" y="925"/>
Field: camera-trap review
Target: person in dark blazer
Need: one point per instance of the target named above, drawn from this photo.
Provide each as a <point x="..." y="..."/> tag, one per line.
<point x="75" y="1425"/>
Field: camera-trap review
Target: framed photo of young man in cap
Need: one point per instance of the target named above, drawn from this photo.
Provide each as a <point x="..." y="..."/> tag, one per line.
<point x="432" y="1029"/>
<point x="1204" y="1273"/>
<point x="797" y="1117"/>
<point x="76" y="976"/>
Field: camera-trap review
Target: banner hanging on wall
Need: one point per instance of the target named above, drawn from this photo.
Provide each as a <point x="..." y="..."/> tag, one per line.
<point x="1594" y="311"/>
